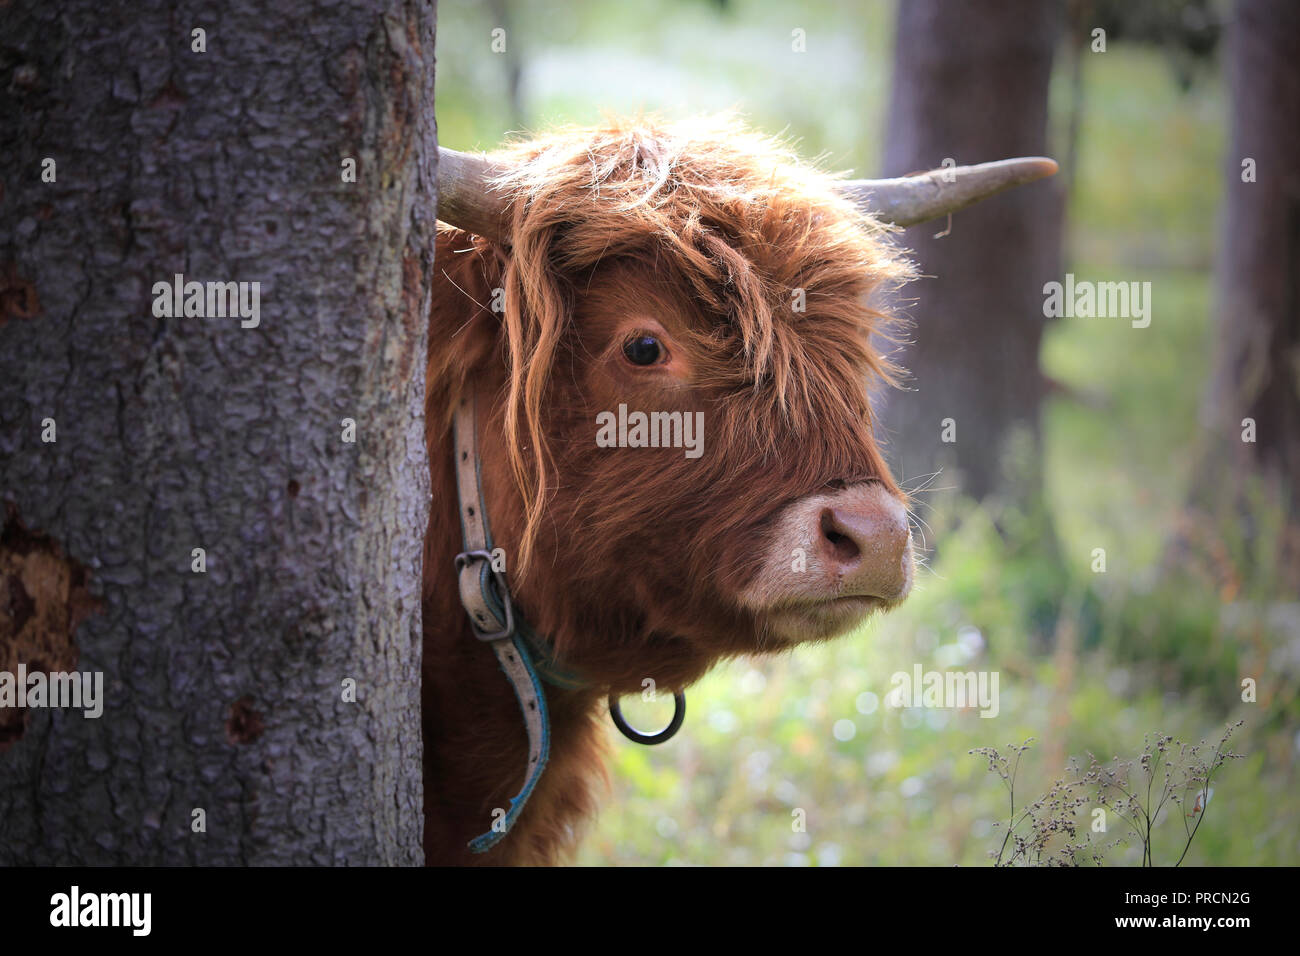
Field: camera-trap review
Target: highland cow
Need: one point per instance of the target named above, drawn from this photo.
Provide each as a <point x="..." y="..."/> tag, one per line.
<point x="698" y="272"/>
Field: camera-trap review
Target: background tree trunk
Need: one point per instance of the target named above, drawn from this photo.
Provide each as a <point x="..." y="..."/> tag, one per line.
<point x="223" y="690"/>
<point x="1256" y="372"/>
<point x="979" y="321"/>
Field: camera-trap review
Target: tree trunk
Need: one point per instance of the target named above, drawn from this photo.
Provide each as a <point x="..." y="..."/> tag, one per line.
<point x="228" y="734"/>
<point x="1254" y="392"/>
<point x="979" y="321"/>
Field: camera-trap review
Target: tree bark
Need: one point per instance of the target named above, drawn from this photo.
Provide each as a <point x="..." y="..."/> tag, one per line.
<point x="1255" y="383"/>
<point x="970" y="84"/>
<point x="224" y="690"/>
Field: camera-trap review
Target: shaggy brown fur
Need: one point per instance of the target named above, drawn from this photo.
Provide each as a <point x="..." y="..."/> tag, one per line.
<point x="630" y="560"/>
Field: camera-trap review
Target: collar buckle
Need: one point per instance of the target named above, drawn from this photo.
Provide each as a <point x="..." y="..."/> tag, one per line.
<point x="485" y="598"/>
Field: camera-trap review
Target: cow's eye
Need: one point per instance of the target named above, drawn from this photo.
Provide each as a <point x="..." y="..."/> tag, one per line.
<point x="644" y="350"/>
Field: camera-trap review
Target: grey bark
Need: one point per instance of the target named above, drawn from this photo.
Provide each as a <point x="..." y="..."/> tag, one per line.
<point x="970" y="83"/>
<point x="224" y="689"/>
<point x="1256" y="373"/>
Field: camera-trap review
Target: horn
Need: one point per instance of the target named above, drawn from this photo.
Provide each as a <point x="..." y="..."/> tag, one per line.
<point x="911" y="199"/>
<point x="466" y="199"/>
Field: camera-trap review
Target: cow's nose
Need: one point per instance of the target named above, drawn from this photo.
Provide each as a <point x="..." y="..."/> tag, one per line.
<point x="866" y="541"/>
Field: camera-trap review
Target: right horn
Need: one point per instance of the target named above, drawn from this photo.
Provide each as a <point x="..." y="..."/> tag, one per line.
<point x="907" y="200"/>
<point x="466" y="198"/>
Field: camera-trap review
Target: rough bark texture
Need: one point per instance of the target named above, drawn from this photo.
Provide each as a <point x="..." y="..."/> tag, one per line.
<point x="224" y="689"/>
<point x="1257" y="270"/>
<point x="968" y="86"/>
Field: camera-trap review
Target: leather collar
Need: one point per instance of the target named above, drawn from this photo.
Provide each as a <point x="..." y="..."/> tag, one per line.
<point x="523" y="655"/>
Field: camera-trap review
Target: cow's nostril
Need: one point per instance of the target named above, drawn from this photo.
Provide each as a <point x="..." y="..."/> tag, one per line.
<point x="865" y="539"/>
<point x="844" y="550"/>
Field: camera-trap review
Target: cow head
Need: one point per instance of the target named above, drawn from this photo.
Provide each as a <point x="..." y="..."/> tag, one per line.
<point x="692" y="286"/>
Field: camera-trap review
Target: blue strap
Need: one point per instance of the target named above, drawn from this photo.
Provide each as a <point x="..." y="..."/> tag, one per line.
<point x="501" y="827"/>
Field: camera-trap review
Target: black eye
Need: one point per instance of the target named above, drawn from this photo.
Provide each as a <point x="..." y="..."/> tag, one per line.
<point x="643" y="350"/>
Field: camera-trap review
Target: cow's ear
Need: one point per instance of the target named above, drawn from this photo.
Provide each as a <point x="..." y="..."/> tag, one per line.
<point x="468" y="279"/>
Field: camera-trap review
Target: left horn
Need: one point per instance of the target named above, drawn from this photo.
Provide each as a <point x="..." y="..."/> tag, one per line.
<point x="911" y="199"/>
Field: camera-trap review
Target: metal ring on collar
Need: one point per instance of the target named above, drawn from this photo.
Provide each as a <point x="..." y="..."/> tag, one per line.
<point x="636" y="736"/>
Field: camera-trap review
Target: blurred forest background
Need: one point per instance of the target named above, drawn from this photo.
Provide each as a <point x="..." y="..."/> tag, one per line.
<point x="1073" y="434"/>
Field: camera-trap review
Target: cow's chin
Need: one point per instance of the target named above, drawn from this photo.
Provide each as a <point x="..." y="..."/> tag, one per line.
<point x="818" y="620"/>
